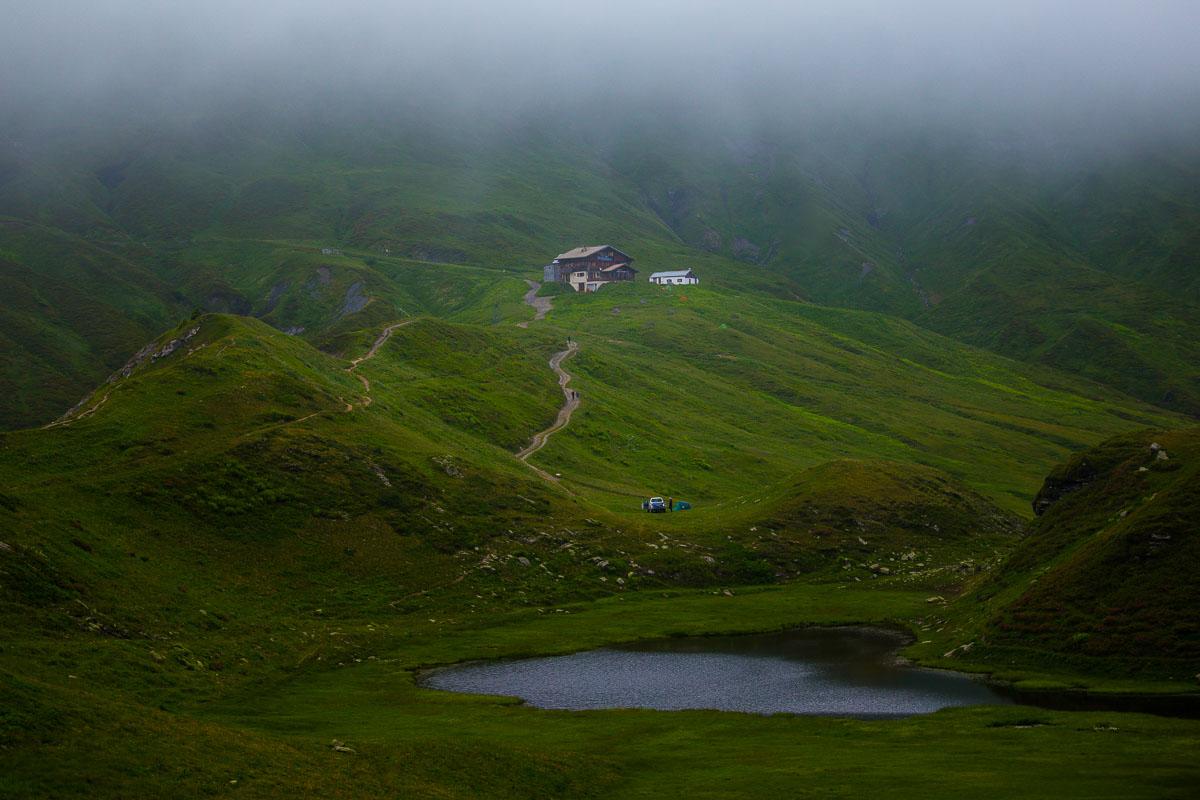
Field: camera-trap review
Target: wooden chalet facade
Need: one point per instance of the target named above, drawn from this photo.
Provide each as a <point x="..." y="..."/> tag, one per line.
<point x="590" y="268"/>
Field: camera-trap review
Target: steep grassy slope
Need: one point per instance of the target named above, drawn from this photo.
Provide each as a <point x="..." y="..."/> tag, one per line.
<point x="1082" y="261"/>
<point x="228" y="448"/>
<point x="248" y="484"/>
<point x="71" y="312"/>
<point x="1119" y="533"/>
<point x="301" y="540"/>
<point x="74" y="311"/>
<point x="710" y="395"/>
<point x="1103" y="579"/>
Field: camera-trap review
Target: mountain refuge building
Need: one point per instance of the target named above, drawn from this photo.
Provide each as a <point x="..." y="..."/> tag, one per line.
<point x="590" y="268"/>
<point x="674" y="276"/>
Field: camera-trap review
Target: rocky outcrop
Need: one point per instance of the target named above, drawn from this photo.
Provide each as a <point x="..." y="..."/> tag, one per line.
<point x="1077" y="475"/>
<point x="356" y="300"/>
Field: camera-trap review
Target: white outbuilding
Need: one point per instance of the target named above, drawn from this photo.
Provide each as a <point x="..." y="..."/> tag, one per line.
<point x="674" y="276"/>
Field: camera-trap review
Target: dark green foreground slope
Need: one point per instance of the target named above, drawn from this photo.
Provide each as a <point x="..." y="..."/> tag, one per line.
<point x="1103" y="581"/>
<point x="238" y="551"/>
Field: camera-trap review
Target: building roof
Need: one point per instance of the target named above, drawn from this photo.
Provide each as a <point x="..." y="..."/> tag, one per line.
<point x="672" y="273"/>
<point x="589" y="250"/>
<point x="615" y="267"/>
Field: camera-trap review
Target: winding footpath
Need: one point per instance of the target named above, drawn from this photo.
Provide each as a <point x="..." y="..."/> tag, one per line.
<point x="352" y="369"/>
<point x="570" y="403"/>
<point x="540" y="305"/>
<point x="367" y="356"/>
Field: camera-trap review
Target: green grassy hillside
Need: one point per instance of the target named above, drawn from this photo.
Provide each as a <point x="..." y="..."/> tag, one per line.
<point x="1102" y="580"/>
<point x="72" y="312"/>
<point x="709" y="394"/>
<point x="302" y="537"/>
<point x="242" y="545"/>
<point x="292" y="543"/>
<point x="1082" y="262"/>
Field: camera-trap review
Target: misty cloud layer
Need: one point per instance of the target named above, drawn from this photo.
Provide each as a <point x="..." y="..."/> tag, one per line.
<point x="1076" y="63"/>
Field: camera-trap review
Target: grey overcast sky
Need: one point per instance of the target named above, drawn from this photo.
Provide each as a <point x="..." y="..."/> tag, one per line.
<point x="1046" y="58"/>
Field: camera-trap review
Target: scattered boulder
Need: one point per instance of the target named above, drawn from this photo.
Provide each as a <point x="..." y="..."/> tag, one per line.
<point x="448" y="466"/>
<point x="186" y="658"/>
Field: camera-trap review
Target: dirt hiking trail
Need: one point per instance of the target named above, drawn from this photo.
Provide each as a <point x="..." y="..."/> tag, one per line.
<point x="540" y="305"/>
<point x="367" y="356"/>
<point x="570" y="402"/>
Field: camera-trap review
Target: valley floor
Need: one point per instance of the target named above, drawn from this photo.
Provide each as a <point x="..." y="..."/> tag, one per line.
<point x="268" y="738"/>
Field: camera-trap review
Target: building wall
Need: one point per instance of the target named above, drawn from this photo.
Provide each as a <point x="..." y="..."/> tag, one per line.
<point x="593" y="264"/>
<point x="620" y="275"/>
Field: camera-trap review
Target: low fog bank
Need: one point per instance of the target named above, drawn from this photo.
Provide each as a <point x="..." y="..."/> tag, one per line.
<point x="1018" y="74"/>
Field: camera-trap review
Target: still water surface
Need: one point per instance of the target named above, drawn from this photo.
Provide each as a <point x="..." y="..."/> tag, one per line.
<point x="828" y="671"/>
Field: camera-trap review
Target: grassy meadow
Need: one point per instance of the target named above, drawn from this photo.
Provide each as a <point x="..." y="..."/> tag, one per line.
<point x="302" y="543"/>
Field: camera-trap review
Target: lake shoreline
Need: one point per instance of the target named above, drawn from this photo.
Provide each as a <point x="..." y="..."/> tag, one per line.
<point x="1175" y="705"/>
